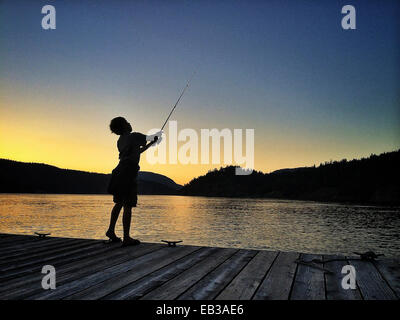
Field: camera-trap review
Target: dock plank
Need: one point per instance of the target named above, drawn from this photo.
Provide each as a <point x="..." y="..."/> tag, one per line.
<point x="18" y="239"/>
<point x="27" y="283"/>
<point x="247" y="281"/>
<point x="140" y="287"/>
<point x="93" y="279"/>
<point x="370" y="281"/>
<point x="12" y="261"/>
<point x="5" y="235"/>
<point x="210" y="286"/>
<point x="19" y="261"/>
<point x="390" y="270"/>
<point x="22" y="268"/>
<point x="34" y="248"/>
<point x="309" y="282"/>
<point x="28" y="242"/>
<point x="172" y="289"/>
<point x="108" y="259"/>
<point x="140" y="268"/>
<point x="334" y="289"/>
<point x="278" y="281"/>
<point x="89" y="269"/>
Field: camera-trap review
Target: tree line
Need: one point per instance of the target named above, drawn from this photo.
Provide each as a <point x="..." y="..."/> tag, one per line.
<point x="372" y="180"/>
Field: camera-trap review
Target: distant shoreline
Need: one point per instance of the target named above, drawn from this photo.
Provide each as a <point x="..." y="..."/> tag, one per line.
<point x="372" y="181"/>
<point x="22" y="177"/>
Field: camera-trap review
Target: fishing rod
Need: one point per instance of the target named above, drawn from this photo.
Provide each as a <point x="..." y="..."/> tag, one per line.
<point x="173" y="108"/>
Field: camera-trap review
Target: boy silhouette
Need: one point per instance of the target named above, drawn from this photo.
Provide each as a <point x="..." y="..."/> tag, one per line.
<point x="123" y="183"/>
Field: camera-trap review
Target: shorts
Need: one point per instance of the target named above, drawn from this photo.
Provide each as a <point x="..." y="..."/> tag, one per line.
<point x="123" y="183"/>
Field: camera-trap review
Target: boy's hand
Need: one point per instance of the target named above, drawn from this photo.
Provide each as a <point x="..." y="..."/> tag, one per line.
<point x="152" y="136"/>
<point x="157" y="139"/>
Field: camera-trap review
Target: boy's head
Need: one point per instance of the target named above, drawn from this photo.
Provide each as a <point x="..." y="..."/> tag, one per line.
<point x="119" y="126"/>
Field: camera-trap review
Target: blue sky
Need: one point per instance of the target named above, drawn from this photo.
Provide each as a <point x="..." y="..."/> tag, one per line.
<point x="311" y="90"/>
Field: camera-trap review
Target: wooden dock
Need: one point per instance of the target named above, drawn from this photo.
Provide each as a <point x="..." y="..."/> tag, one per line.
<point x="89" y="269"/>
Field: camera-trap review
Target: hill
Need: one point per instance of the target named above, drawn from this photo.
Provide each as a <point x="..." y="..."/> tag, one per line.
<point x="373" y="180"/>
<point x="21" y="177"/>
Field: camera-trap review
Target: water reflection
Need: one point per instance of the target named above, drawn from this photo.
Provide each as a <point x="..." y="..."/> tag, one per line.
<point x="243" y="223"/>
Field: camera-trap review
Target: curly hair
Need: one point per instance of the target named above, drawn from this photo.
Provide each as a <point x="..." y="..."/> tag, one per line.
<point x="118" y="125"/>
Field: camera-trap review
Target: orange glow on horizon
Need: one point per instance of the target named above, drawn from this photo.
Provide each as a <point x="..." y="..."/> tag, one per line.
<point x="30" y="132"/>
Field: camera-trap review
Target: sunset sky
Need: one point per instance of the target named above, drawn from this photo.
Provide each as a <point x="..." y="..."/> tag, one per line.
<point x="312" y="91"/>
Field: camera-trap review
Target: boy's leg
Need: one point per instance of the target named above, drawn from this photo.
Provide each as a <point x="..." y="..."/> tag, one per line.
<point x="126" y="221"/>
<point x="113" y="219"/>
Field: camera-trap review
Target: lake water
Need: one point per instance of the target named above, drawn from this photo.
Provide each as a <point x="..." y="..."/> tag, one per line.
<point x="241" y="223"/>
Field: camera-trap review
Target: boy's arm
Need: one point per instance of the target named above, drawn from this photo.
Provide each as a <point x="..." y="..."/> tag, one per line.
<point x="143" y="149"/>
